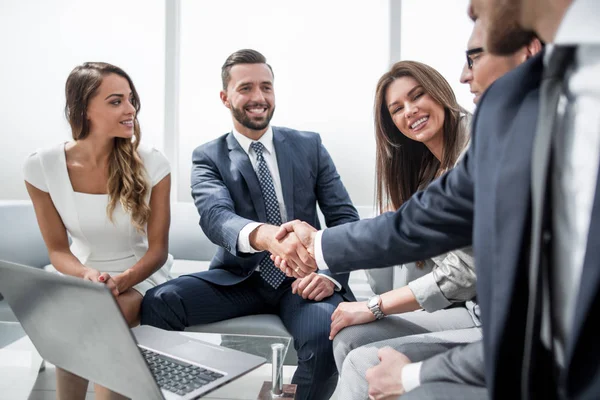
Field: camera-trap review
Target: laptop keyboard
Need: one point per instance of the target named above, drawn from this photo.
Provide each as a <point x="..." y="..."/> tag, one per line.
<point x="177" y="376"/>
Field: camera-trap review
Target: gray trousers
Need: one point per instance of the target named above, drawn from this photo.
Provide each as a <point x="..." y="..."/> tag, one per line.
<point x="417" y="334"/>
<point x="446" y="391"/>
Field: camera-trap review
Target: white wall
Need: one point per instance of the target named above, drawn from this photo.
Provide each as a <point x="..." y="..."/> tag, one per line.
<point x="435" y="32"/>
<point x="41" y="41"/>
<point x="327" y="57"/>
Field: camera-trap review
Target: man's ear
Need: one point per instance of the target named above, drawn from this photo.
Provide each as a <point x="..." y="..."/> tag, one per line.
<point x="534" y="47"/>
<point x="224" y="99"/>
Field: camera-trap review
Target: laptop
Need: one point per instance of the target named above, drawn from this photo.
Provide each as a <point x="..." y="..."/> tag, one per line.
<point x="77" y="326"/>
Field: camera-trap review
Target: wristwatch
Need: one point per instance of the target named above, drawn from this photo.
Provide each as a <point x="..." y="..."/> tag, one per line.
<point x="373" y="304"/>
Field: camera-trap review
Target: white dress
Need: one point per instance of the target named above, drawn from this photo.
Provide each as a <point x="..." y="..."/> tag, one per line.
<point x="97" y="242"/>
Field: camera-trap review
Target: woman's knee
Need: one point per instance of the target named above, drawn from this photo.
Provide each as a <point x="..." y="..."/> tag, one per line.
<point x="359" y="360"/>
<point x="342" y="345"/>
<point x="353" y="337"/>
<point x="130" y="304"/>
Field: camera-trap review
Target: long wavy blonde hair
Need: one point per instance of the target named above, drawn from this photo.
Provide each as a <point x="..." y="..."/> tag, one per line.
<point x="127" y="178"/>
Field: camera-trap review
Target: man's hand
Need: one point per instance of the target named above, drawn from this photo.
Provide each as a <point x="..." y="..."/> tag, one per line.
<point x="287" y="247"/>
<point x="313" y="287"/>
<point x="306" y="234"/>
<point x="348" y="314"/>
<point x="385" y="379"/>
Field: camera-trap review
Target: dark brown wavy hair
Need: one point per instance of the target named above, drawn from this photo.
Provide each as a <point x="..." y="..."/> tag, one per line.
<point x="405" y="165"/>
<point x="127" y="179"/>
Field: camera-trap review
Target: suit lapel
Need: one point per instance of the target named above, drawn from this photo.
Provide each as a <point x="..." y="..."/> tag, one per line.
<point x="549" y="94"/>
<point x="539" y="176"/>
<point x="239" y="159"/>
<point x="285" y="163"/>
<point x="513" y="201"/>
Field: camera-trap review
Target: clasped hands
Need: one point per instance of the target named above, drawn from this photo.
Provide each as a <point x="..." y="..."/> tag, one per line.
<point x="94" y="275"/>
<point x="297" y="261"/>
<point x="292" y="251"/>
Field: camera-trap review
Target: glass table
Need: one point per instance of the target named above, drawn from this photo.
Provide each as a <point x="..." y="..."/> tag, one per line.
<point x="252" y="344"/>
<point x="249" y="385"/>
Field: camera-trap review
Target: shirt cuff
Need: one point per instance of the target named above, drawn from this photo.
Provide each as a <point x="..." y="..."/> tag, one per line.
<point x="411" y="378"/>
<point x="321" y="264"/>
<point x="338" y="287"/>
<point x="243" y="241"/>
<point x="428" y="293"/>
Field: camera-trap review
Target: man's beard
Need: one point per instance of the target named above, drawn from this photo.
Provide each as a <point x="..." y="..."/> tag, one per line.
<point x="246" y="121"/>
<point x="504" y="34"/>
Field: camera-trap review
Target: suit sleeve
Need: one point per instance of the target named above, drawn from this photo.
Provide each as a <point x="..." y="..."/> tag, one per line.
<point x="334" y="200"/>
<point x="218" y="218"/>
<point x="433" y="221"/>
<point x="452" y="280"/>
<point x="462" y="364"/>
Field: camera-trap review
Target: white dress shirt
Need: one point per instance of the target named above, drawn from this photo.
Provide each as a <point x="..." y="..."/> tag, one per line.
<point x="575" y="166"/>
<point x="243" y="242"/>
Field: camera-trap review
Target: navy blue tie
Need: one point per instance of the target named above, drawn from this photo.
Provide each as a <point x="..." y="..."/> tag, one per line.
<point x="268" y="271"/>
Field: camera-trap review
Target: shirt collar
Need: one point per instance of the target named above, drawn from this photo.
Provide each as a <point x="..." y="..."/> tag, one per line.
<point x="266" y="139"/>
<point x="580" y="24"/>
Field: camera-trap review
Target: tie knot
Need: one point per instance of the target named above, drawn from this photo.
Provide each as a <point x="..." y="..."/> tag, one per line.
<point x="258" y="148"/>
<point x="560" y="59"/>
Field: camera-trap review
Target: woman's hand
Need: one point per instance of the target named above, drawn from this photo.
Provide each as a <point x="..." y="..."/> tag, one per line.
<point x="94" y="275"/>
<point x="348" y="314"/>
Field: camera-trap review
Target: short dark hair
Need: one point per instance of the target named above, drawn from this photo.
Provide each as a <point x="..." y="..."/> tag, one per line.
<point x="244" y="56"/>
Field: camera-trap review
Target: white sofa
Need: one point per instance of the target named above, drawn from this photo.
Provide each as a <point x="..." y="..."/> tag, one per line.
<point x="21" y="242"/>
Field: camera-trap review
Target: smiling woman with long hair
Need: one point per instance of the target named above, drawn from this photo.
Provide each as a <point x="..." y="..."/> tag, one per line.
<point x="421" y="132"/>
<point x="107" y="193"/>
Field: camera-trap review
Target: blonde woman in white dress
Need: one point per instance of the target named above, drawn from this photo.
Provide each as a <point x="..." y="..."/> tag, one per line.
<point x="105" y="192"/>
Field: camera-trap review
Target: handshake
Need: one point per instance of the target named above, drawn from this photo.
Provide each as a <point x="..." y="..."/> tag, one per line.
<point x="291" y="246"/>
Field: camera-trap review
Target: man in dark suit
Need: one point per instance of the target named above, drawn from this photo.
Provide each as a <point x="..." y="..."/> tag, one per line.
<point x="245" y="184"/>
<point x="524" y="197"/>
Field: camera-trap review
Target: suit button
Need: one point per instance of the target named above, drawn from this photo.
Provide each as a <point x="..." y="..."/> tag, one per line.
<point x="546" y="236"/>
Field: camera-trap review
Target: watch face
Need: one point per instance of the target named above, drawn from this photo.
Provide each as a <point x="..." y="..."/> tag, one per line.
<point x="373" y="301"/>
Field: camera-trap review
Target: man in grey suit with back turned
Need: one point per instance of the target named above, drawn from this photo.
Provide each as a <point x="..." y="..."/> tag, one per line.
<point x="527" y="197"/>
<point x="245" y="184"/>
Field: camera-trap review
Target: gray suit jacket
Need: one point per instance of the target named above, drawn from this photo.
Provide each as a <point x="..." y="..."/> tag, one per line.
<point x="462" y="364"/>
<point x="228" y="196"/>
